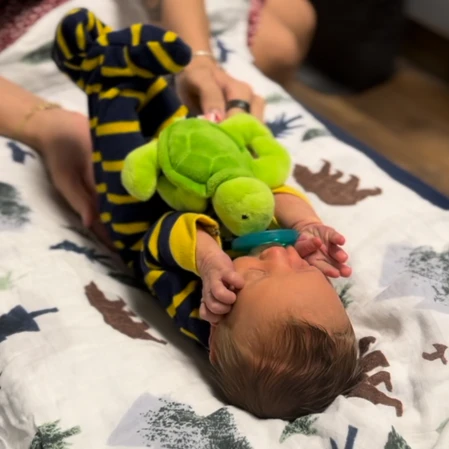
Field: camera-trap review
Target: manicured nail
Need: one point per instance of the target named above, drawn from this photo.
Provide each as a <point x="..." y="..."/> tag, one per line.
<point x="218" y="116"/>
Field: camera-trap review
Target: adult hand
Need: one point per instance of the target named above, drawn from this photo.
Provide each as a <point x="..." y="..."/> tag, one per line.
<point x="65" y="144"/>
<point x="205" y="88"/>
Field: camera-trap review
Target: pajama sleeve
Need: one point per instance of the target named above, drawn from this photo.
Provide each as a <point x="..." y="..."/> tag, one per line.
<point x="168" y="264"/>
<point x="291" y="191"/>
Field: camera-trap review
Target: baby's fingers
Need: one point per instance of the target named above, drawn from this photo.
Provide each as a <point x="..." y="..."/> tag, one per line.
<point x="307" y="246"/>
<point x="233" y="279"/>
<point x="207" y="315"/>
<point x="337" y="253"/>
<point x="222" y="294"/>
<point x="327" y="269"/>
<point x="345" y="271"/>
<point x="336" y="238"/>
<point x="332" y="270"/>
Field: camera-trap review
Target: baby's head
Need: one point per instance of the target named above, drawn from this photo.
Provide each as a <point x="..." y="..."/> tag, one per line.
<point x="287" y="348"/>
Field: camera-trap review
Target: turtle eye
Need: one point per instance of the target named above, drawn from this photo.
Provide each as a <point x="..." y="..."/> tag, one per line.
<point x="245" y="217"/>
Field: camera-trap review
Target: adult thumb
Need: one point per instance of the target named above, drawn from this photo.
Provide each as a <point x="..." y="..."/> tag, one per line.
<point x="79" y="199"/>
<point x="211" y="98"/>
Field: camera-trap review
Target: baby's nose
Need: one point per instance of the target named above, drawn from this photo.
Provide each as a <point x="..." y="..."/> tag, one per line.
<point x="282" y="256"/>
<point x="274" y="252"/>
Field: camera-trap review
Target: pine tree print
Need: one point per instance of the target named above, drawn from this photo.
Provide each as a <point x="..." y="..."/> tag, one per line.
<point x="18" y="320"/>
<point x="314" y="133"/>
<point x="90" y="253"/>
<point x="434" y="266"/>
<point x="343" y="293"/>
<point x="350" y="439"/>
<point x="39" y="55"/>
<point x="166" y="424"/>
<point x="277" y="98"/>
<point x="18" y="154"/>
<point x="395" y="441"/>
<point x="13" y="214"/>
<point x="51" y="436"/>
<point x="175" y="423"/>
<point x="302" y="426"/>
<point x="443" y="425"/>
<point x="122" y="277"/>
<point x="282" y="126"/>
<point x="223" y="51"/>
<point x="5" y="281"/>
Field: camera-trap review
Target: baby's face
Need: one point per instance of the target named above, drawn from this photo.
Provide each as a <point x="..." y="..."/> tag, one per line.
<point x="278" y="284"/>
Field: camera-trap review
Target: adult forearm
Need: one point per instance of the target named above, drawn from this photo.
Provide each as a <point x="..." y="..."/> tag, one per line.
<point x="15" y="119"/>
<point x="185" y="17"/>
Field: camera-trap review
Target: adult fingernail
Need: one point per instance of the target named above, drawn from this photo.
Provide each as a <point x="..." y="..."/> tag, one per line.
<point x="217" y="114"/>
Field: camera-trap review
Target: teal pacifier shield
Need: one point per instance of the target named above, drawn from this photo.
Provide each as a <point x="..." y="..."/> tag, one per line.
<point x="284" y="237"/>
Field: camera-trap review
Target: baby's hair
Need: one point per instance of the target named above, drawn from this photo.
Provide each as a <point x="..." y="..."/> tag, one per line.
<point x="291" y="370"/>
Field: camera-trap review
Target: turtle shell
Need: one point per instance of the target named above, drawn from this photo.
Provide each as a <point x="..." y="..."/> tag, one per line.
<point x="193" y="151"/>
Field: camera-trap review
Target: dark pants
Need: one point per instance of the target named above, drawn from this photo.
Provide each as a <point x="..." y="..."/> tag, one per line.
<point x="357" y="41"/>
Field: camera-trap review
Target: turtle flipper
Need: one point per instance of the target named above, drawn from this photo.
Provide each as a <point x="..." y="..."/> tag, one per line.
<point x="271" y="161"/>
<point x="244" y="128"/>
<point x="178" y="198"/>
<point x="140" y="171"/>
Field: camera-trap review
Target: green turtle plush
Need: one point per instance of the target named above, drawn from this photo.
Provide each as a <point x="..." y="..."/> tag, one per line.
<point x="235" y="164"/>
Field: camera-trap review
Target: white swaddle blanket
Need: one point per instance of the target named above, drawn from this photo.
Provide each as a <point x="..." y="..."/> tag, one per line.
<point x="88" y="361"/>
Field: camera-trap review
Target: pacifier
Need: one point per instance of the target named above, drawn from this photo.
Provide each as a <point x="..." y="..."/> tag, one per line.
<point x="255" y="243"/>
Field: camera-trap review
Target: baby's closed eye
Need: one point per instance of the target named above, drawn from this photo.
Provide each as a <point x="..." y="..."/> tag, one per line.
<point x="254" y="273"/>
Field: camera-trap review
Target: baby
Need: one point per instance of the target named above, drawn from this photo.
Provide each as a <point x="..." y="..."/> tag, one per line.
<point x="284" y="346"/>
<point x="280" y="343"/>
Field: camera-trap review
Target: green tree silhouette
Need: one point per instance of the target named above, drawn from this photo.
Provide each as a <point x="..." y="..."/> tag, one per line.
<point x="395" y="441"/>
<point x="282" y="125"/>
<point x="277" y="98"/>
<point x="13" y="214"/>
<point x="301" y="426"/>
<point x="177" y="426"/>
<point x="51" y="436"/>
<point x="41" y="54"/>
<point x="424" y="261"/>
<point x="343" y="293"/>
<point x="5" y="281"/>
<point x="313" y="133"/>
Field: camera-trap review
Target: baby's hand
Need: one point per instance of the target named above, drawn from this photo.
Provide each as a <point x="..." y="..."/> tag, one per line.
<point x="220" y="282"/>
<point x="320" y="245"/>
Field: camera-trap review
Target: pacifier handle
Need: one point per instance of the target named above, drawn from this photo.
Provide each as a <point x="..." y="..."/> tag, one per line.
<point x="246" y="243"/>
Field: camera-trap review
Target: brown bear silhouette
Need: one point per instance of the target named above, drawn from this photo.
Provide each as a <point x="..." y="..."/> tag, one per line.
<point x="116" y="316"/>
<point x="367" y="388"/>
<point x="437" y="355"/>
<point x="329" y="188"/>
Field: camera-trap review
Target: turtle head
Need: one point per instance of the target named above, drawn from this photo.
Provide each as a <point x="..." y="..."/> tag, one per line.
<point x="244" y="205"/>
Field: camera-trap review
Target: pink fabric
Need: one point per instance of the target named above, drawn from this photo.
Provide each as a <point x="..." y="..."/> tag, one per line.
<point x="17" y="16"/>
<point x="254" y="19"/>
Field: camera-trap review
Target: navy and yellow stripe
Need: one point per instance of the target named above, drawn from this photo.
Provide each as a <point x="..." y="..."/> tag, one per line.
<point x="177" y="287"/>
<point x="129" y="102"/>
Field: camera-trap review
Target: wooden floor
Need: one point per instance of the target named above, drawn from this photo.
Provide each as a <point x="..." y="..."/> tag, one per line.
<point x="406" y="119"/>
